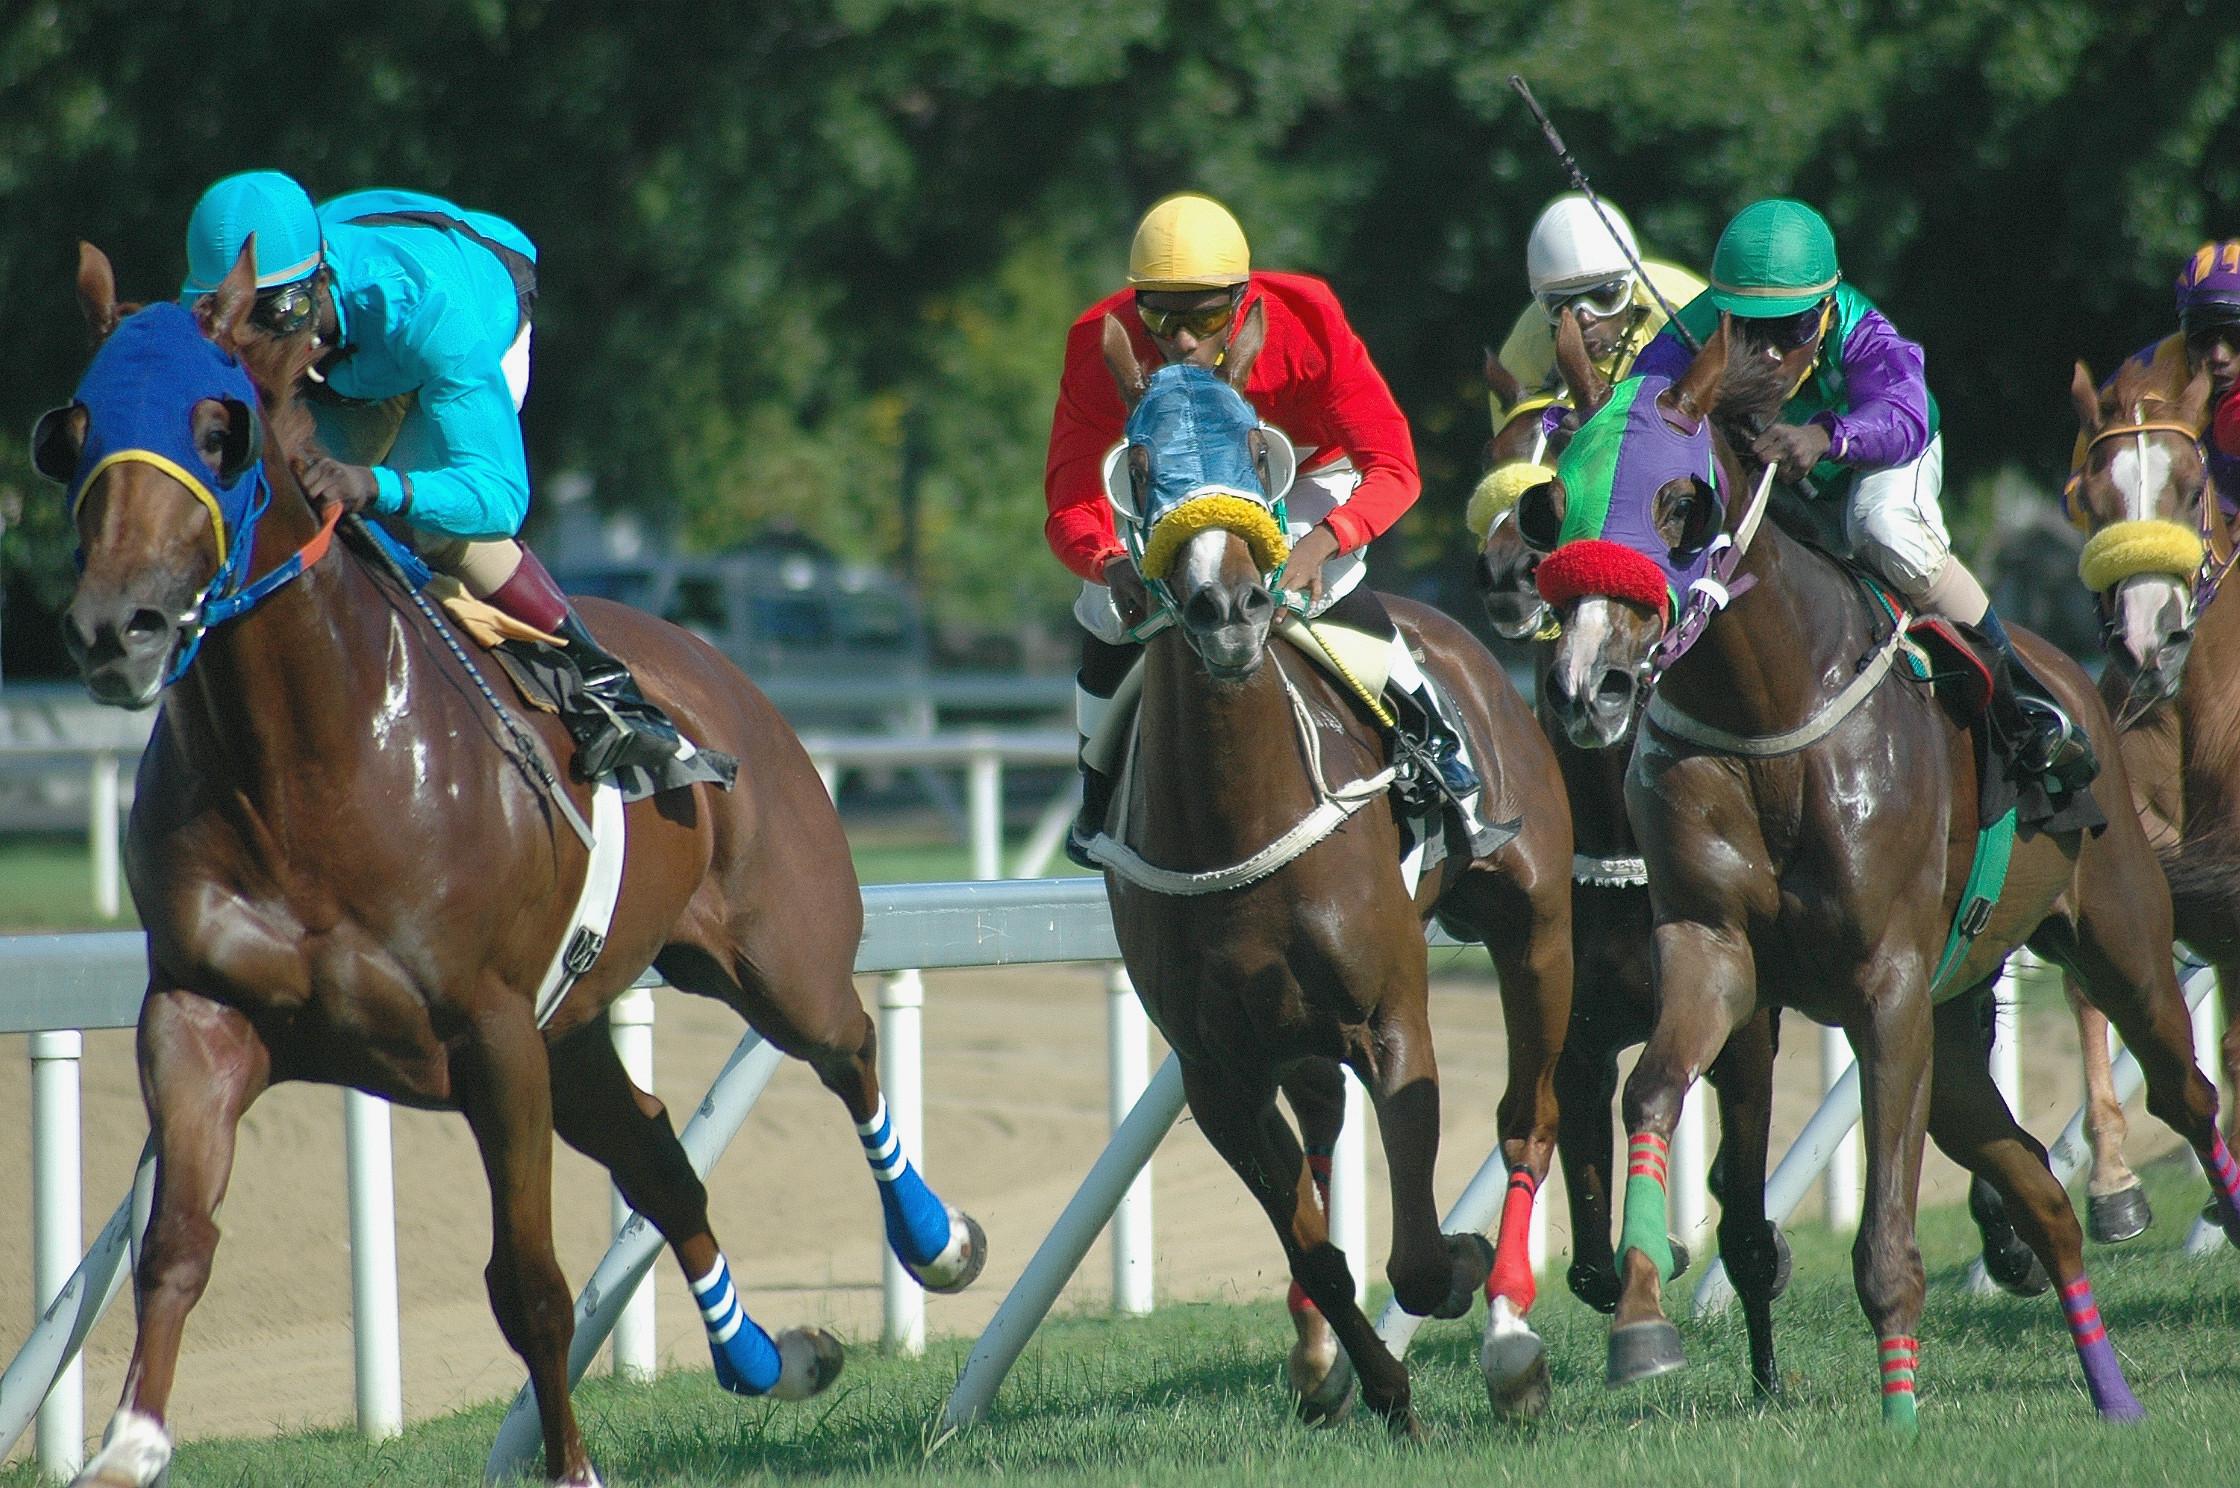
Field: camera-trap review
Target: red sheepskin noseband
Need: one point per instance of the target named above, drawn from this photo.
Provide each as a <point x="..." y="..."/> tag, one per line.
<point x="1595" y="565"/>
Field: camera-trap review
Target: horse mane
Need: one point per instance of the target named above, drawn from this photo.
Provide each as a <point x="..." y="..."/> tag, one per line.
<point x="1750" y="398"/>
<point x="2136" y="384"/>
<point x="277" y="366"/>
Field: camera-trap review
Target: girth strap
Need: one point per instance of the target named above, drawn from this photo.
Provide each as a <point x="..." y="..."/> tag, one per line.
<point x="1987" y="880"/>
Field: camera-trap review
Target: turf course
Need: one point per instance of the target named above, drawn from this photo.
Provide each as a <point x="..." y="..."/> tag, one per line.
<point x="1191" y="1396"/>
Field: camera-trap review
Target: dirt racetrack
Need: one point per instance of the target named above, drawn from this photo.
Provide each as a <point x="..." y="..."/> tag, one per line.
<point x="1016" y="1112"/>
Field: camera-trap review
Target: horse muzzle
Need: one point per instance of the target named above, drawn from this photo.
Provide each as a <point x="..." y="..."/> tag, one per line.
<point x="122" y="646"/>
<point x="2149" y="634"/>
<point x="1593" y="695"/>
<point x="1227" y="625"/>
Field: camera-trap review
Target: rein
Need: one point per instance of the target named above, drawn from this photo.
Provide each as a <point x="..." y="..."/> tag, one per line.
<point x="226" y="597"/>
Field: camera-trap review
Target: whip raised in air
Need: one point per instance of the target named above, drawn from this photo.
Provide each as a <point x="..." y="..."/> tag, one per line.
<point x="1579" y="180"/>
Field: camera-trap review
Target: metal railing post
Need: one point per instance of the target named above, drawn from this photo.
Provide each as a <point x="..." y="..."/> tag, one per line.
<point x="637" y="1341"/>
<point x="373" y="1265"/>
<point x="57" y="1230"/>
<point x="1839" y="1200"/>
<point x="102" y="834"/>
<point x="1128" y="1035"/>
<point x="1689" y="1187"/>
<point x="984" y="809"/>
<point x="902" y="999"/>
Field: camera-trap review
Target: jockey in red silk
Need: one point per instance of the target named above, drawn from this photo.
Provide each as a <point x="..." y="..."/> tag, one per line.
<point x="1190" y="280"/>
<point x="423" y="310"/>
<point x="1865" y="428"/>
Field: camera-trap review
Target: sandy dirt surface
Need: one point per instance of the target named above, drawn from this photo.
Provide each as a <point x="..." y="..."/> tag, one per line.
<point x="1016" y="1112"/>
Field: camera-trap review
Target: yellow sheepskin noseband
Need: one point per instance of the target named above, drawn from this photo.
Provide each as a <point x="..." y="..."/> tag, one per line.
<point x="2124" y="550"/>
<point x="1499" y="491"/>
<point x="1242" y="515"/>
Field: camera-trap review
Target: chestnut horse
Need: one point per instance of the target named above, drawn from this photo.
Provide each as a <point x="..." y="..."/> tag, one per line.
<point x="1810" y="829"/>
<point x="1613" y="1003"/>
<point x="1276" y="981"/>
<point x="346" y="876"/>
<point x="2161" y="544"/>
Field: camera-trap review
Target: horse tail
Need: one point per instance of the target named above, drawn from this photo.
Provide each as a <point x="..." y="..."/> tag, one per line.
<point x="2203" y="867"/>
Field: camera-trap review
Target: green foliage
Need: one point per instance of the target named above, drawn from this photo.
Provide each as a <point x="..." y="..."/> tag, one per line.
<point x="794" y="249"/>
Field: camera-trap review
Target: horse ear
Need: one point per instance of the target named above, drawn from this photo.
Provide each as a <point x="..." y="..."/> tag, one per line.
<point x="224" y="312"/>
<point x="1697" y="392"/>
<point x="1589" y="388"/>
<point x="97" y="290"/>
<point x="2085" y="394"/>
<point x="1500" y="381"/>
<point x="1244" y="346"/>
<point x="2193" y="403"/>
<point x="1120" y="359"/>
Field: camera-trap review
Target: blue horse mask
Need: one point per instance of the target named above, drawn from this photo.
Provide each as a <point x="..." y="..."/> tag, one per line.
<point x="1198" y="432"/>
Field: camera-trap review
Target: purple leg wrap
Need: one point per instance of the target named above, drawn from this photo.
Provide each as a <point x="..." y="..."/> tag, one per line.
<point x="2103" y="1375"/>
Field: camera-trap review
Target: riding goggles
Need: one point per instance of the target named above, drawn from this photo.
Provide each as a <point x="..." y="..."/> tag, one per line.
<point x="1788" y="332"/>
<point x="1204" y="321"/>
<point x="284" y="309"/>
<point x="1595" y="301"/>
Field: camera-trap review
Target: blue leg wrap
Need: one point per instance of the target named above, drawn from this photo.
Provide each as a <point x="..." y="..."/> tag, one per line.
<point x="746" y="1359"/>
<point x="917" y="1222"/>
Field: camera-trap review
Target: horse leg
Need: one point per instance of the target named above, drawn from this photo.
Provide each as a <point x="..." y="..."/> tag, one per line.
<point x="1893" y="1037"/>
<point x="1432" y="1274"/>
<point x="2008" y="1259"/>
<point x="1319" y="1373"/>
<point x="599" y="1112"/>
<point x="1236" y="1110"/>
<point x="1756" y="1256"/>
<point x="1970" y="1121"/>
<point x="1586" y="1083"/>
<point x="2115" y="1200"/>
<point x="1534" y="957"/>
<point x="941" y="1246"/>
<point x="201" y="1064"/>
<point x="503" y="1087"/>
<point x="1708" y="989"/>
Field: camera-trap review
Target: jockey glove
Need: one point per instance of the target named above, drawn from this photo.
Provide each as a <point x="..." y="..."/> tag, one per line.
<point x="329" y="482"/>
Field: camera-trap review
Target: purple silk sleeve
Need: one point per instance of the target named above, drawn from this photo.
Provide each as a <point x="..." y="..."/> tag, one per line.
<point x="1886" y="421"/>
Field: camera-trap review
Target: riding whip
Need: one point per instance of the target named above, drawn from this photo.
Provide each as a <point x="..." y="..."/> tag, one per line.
<point x="1579" y="180"/>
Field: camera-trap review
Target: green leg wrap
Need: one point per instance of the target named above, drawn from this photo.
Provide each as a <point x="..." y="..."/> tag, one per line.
<point x="1645" y="1227"/>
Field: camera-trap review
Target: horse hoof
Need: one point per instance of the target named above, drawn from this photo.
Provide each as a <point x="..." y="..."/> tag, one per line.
<point x="135" y="1453"/>
<point x="809" y="1360"/>
<point x="2016" y="1269"/>
<point x="1640" y="1351"/>
<point x="1472" y="1260"/>
<point x="1784" y="1264"/>
<point x="1330" y="1400"/>
<point x="1515" y="1364"/>
<point x="2114" y="1218"/>
<point x="961" y="1264"/>
<point x="2216" y="1213"/>
<point x="1595" y="1287"/>
<point x="1680" y="1257"/>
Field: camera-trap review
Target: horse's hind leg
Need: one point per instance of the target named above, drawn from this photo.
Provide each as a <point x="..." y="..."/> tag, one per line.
<point x="1970" y="1121"/>
<point x="201" y="1064"/>
<point x="1757" y="1259"/>
<point x="1236" y="1111"/>
<point x="2116" y="1206"/>
<point x="503" y="1088"/>
<point x="812" y="1012"/>
<point x="600" y="1113"/>
<point x="1586" y="1082"/>
<point x="1320" y="1375"/>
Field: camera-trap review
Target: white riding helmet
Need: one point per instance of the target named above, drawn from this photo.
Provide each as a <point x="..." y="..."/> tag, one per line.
<point x="1571" y="249"/>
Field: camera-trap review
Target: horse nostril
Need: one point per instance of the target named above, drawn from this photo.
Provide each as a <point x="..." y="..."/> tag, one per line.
<point x="1256" y="604"/>
<point x="1202" y="611"/>
<point x="145" y="625"/>
<point x="1615" y="688"/>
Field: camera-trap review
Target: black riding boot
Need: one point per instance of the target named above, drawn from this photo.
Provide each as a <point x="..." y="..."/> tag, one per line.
<point x="1096" y="800"/>
<point x="1437" y="740"/>
<point x="612" y="723"/>
<point x="2044" y="740"/>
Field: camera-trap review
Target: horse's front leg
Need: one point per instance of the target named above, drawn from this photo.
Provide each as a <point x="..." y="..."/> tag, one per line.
<point x="1892" y="1036"/>
<point x="1707" y="981"/>
<point x="503" y="1085"/>
<point x="201" y="1064"/>
<point x="2115" y="1200"/>
<point x="1319" y="1373"/>
<point x="1432" y="1274"/>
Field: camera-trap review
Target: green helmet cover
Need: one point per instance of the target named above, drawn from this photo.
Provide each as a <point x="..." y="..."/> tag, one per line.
<point x="1777" y="257"/>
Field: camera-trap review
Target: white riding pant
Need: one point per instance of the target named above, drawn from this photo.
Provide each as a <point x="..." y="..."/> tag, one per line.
<point x="1895" y="521"/>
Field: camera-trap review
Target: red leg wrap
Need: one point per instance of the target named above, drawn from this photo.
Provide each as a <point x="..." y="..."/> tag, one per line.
<point x="1512" y="1256"/>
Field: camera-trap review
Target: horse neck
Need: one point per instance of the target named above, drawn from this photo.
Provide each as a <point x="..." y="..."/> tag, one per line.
<point x="2209" y="701"/>
<point x="282" y="689"/>
<point x="1763" y="664"/>
<point x="1219" y="768"/>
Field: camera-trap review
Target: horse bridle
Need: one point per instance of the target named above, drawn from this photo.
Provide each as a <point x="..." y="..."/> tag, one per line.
<point x="2215" y="529"/>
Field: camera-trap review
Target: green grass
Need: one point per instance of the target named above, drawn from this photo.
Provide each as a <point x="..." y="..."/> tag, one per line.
<point x="1191" y="1396"/>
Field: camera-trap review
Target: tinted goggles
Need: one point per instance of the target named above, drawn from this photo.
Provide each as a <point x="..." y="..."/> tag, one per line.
<point x="1203" y="321"/>
<point x="1788" y="332"/>
<point x="284" y="309"/>
<point x="1597" y="301"/>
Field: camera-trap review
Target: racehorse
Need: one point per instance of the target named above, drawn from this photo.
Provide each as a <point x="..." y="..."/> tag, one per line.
<point x="345" y="877"/>
<point x="2161" y="544"/>
<point x="1278" y="977"/>
<point x="1811" y="834"/>
<point x="1613" y="1002"/>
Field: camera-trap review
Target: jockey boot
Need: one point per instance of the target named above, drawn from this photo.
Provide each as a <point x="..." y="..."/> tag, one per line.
<point x="1096" y="800"/>
<point x="612" y="723"/>
<point x="2045" y="741"/>
<point x="1436" y="739"/>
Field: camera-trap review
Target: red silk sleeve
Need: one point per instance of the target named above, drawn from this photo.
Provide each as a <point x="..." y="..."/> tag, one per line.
<point x="1088" y="422"/>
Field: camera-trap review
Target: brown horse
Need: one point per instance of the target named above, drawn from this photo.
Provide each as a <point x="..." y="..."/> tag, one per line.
<point x="345" y="877"/>
<point x="1275" y="982"/>
<point x="1809" y="829"/>
<point x="1613" y="1004"/>
<point x="2161" y="544"/>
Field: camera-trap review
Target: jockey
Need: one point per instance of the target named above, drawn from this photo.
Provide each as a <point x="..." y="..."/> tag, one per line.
<point x="2207" y="340"/>
<point x="1571" y="260"/>
<point x="423" y="311"/>
<point x="1863" y="425"/>
<point x="1190" y="280"/>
